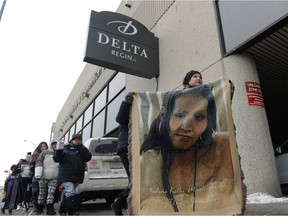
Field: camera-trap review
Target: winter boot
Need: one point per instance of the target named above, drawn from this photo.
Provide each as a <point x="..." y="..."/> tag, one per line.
<point x="39" y="208"/>
<point x="62" y="208"/>
<point x="118" y="205"/>
<point x="50" y="209"/>
<point x="71" y="205"/>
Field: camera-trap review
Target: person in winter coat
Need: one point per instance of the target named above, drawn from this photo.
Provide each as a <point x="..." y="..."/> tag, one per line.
<point x="9" y="181"/>
<point x="72" y="158"/>
<point x="46" y="171"/>
<point x="8" y="187"/>
<point x="122" y="150"/>
<point x="35" y="184"/>
<point x="26" y="168"/>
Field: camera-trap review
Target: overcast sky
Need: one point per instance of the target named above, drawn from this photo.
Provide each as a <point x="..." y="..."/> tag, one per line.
<point x="42" y="45"/>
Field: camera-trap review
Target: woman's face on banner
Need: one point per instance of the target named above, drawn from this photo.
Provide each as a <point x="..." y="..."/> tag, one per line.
<point x="188" y="120"/>
<point x="26" y="171"/>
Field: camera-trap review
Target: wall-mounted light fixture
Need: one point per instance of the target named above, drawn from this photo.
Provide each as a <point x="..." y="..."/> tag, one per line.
<point x="71" y="116"/>
<point x="61" y="130"/>
<point x="128" y="5"/>
<point x="87" y="94"/>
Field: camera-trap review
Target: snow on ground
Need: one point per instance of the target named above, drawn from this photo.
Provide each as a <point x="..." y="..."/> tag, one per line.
<point x="264" y="198"/>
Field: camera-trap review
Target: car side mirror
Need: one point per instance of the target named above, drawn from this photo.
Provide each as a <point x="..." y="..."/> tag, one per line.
<point x="278" y="150"/>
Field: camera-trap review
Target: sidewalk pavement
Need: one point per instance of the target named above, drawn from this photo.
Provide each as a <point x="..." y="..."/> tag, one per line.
<point x="259" y="209"/>
<point x="267" y="209"/>
<point x="251" y="209"/>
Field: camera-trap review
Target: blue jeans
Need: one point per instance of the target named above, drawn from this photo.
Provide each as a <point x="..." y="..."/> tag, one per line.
<point x="35" y="190"/>
<point x="69" y="188"/>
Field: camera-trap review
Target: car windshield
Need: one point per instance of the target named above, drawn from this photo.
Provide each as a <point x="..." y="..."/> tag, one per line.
<point x="106" y="148"/>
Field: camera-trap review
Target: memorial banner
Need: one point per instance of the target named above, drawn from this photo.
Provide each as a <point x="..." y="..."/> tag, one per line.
<point x="183" y="153"/>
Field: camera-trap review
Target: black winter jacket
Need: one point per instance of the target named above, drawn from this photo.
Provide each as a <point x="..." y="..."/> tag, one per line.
<point x="123" y="119"/>
<point x="72" y="163"/>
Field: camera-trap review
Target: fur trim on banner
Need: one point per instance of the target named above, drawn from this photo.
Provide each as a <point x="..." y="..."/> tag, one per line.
<point x="129" y="199"/>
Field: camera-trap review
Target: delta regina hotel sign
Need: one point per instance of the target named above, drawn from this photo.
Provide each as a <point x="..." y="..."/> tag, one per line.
<point x="118" y="42"/>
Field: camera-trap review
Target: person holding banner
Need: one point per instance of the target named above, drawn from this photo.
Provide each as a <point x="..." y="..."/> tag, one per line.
<point x="122" y="150"/>
<point x="192" y="78"/>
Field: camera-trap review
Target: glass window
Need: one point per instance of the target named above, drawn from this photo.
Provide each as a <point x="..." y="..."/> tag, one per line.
<point x="98" y="125"/>
<point x="100" y="101"/>
<point x="116" y="85"/>
<point x="66" y="139"/>
<point x="88" y="114"/>
<point x="79" y="124"/>
<point x="107" y="148"/>
<point x="112" y="112"/>
<point x="72" y="131"/>
<point x="86" y="133"/>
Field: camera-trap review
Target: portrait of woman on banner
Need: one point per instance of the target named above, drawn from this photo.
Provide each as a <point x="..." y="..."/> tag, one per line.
<point x="26" y="171"/>
<point x="186" y="164"/>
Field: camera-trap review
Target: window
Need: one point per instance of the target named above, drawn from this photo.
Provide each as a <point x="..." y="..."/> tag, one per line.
<point x="72" y="131"/>
<point x="100" y="101"/>
<point x="88" y="114"/>
<point x="98" y="125"/>
<point x="116" y="85"/>
<point x="86" y="133"/>
<point x="102" y="112"/>
<point x="79" y="124"/>
<point x="66" y="139"/>
<point x="108" y="148"/>
<point x="112" y="112"/>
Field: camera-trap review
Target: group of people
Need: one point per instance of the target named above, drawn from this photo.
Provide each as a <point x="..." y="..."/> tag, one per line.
<point x="38" y="179"/>
<point x="21" y="188"/>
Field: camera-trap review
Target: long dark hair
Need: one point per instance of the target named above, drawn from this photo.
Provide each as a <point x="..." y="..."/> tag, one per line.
<point x="37" y="151"/>
<point x="159" y="139"/>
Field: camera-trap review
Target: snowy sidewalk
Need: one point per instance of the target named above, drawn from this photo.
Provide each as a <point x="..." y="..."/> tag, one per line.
<point x="265" y="204"/>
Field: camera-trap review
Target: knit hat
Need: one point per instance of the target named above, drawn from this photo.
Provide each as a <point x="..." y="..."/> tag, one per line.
<point x="76" y="136"/>
<point x="53" y="142"/>
<point x="188" y="77"/>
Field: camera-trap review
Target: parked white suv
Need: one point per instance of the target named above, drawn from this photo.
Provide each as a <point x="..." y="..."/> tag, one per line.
<point x="105" y="176"/>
